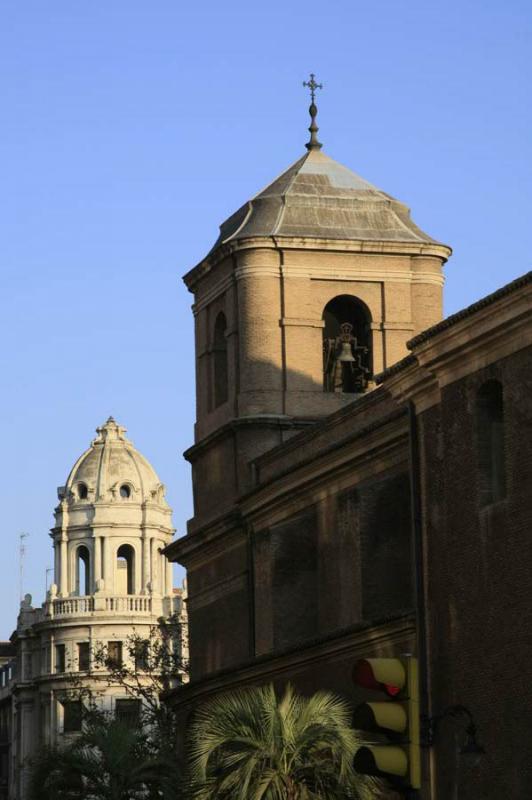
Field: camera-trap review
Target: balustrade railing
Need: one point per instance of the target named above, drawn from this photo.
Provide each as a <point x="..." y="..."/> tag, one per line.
<point x="124" y="604"/>
<point x="73" y="605"/>
<point x="137" y="604"/>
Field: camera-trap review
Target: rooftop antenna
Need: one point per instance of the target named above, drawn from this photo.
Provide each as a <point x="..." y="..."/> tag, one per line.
<point x="22" y="553"/>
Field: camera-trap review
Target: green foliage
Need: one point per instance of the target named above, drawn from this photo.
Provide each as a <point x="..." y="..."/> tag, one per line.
<point x="250" y="745"/>
<point x="109" y="760"/>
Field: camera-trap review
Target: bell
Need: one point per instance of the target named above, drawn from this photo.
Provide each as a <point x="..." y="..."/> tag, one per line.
<point x="346" y="354"/>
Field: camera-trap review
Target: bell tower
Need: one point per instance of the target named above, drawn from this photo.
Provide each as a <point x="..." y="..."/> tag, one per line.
<point x="312" y="287"/>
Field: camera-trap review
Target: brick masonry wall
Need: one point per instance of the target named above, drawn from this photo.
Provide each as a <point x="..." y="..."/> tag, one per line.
<point x="480" y="584"/>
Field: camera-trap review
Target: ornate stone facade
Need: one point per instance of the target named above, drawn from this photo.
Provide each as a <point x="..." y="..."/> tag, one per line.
<point x="111" y="581"/>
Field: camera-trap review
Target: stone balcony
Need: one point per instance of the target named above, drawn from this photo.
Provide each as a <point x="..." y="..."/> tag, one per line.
<point x="137" y="605"/>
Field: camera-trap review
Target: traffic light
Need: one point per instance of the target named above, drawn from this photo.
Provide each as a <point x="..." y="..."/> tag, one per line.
<point x="396" y="719"/>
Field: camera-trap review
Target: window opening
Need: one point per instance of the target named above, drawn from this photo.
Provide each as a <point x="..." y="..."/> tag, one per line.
<point x="82" y="491"/>
<point x="141" y="656"/>
<point x="60" y="658"/>
<point x="125" y="570"/>
<point x="71" y="716"/>
<point x="220" y="361"/>
<point x="346" y="346"/>
<point x="125" y="491"/>
<point x="128" y="712"/>
<point x="83" y="656"/>
<point x="83" y="576"/>
<point x="114" y="654"/>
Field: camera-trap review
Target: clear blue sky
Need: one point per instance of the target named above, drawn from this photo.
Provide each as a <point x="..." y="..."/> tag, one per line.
<point x="130" y="129"/>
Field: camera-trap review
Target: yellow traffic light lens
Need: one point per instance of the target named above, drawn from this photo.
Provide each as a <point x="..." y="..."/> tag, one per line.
<point x="381" y="760"/>
<point x="380" y="717"/>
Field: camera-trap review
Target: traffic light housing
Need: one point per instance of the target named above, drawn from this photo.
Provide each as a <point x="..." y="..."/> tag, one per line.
<point x="396" y="719"/>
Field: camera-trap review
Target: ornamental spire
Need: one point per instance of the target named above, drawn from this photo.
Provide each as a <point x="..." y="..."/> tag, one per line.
<point x="313" y="143"/>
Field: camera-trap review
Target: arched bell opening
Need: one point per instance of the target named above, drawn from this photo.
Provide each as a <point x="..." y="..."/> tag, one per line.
<point x="220" y="360"/>
<point x="83" y="571"/>
<point x="347" y="362"/>
<point x="125" y="570"/>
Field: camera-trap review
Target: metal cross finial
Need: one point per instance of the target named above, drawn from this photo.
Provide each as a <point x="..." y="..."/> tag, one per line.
<point x="312" y="85"/>
<point x="313" y="144"/>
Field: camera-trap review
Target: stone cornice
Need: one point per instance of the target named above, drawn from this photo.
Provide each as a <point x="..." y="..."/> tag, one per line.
<point x="262" y="420"/>
<point x="519" y="283"/>
<point x="440" y="251"/>
<point x="379" y="445"/>
<point x="320" y="426"/>
<point x="381" y="441"/>
<point x="492" y="332"/>
<point x="384" y="635"/>
<point x="488" y="331"/>
<point x="202" y="543"/>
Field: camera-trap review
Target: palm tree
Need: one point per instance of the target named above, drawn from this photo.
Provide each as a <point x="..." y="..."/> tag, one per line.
<point x="108" y="761"/>
<point x="251" y="746"/>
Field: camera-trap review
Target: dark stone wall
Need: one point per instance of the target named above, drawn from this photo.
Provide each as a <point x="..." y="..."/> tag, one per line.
<point x="294" y="554"/>
<point x="219" y="634"/>
<point x="343" y="560"/>
<point x="219" y="611"/>
<point x="384" y="508"/>
<point x="480" y="582"/>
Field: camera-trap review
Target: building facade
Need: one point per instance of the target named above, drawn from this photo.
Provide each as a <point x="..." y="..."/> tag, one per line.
<point x="359" y="470"/>
<point x="111" y="582"/>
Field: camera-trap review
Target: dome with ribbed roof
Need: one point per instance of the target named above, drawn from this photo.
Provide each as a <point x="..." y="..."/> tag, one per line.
<point x="112" y="469"/>
<point x="318" y="197"/>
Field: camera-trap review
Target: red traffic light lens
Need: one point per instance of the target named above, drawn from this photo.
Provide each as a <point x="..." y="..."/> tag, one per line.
<point x="364" y="676"/>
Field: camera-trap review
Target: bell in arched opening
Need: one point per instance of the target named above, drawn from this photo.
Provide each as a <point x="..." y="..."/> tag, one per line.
<point x="346" y="346"/>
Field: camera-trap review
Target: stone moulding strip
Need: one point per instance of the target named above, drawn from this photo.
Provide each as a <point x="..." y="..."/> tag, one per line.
<point x="355" y="639"/>
<point x="300" y="322"/>
<point x="484" y="302"/>
<point x="441" y="251"/>
<point x="371" y="428"/>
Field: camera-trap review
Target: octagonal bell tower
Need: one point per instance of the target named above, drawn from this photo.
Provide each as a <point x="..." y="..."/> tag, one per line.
<point x="313" y="286"/>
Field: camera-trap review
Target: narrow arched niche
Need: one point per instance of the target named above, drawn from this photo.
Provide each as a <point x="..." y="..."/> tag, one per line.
<point x="220" y="360"/>
<point x="83" y="571"/>
<point x="125" y="570"/>
<point x="347" y="345"/>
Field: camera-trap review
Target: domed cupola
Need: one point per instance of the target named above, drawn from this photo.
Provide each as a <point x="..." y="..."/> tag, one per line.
<point x="112" y="470"/>
<point x="112" y="522"/>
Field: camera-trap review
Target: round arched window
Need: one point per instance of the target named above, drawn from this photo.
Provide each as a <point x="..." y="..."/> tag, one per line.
<point x="82" y="491"/>
<point x="125" y="490"/>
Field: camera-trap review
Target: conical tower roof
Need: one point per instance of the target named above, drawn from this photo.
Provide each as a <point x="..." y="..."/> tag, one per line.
<point x="317" y="197"/>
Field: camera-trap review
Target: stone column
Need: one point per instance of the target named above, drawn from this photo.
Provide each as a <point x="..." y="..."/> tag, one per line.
<point x="154" y="571"/>
<point x="169" y="577"/>
<point x="63" y="585"/>
<point x="145" y="544"/>
<point x="57" y="565"/>
<point x="97" y="572"/>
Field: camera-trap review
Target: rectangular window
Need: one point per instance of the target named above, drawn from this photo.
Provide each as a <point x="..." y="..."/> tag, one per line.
<point x="60" y="658"/>
<point x="114" y="651"/>
<point x="128" y="712"/>
<point x="71" y="716"/>
<point x="141" y="656"/>
<point x="83" y="656"/>
<point x="27" y="666"/>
